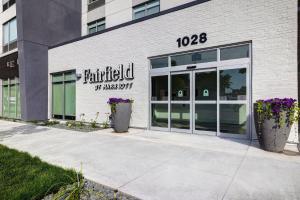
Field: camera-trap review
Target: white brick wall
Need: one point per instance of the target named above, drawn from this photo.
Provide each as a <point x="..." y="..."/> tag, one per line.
<point x="271" y="25"/>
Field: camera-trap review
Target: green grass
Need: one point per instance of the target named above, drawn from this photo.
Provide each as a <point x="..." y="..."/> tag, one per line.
<point x="25" y="177"/>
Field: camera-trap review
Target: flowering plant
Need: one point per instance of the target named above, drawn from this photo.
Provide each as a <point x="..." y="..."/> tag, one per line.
<point x="114" y="101"/>
<point x="275" y="109"/>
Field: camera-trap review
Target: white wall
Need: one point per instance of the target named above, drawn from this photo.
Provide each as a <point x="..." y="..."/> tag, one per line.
<point x="117" y="12"/>
<point x="96" y="14"/>
<point x="166" y="4"/>
<point x="271" y="25"/>
<point x="84" y="17"/>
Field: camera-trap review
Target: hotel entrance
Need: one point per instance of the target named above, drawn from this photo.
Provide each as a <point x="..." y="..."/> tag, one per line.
<point x="209" y="98"/>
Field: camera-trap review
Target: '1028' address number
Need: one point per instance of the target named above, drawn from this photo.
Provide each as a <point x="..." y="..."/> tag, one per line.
<point x="192" y="40"/>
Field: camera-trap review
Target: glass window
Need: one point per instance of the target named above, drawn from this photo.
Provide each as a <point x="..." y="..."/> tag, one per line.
<point x="57" y="99"/>
<point x="160" y="88"/>
<point x="10" y="35"/>
<point x="180" y="116"/>
<point x="5" y="34"/>
<point x="96" y="26"/>
<point x="206" y="117"/>
<point x="7" y="3"/>
<point x="235" y="52"/>
<point x="233" y="84"/>
<point x="11" y="106"/>
<point x="206" y="86"/>
<point x="57" y="77"/>
<point x="159" y="62"/>
<point x="148" y="8"/>
<point x="71" y="76"/>
<point x="5" y="101"/>
<point x="64" y="95"/>
<point x="160" y="115"/>
<point x="180" y="87"/>
<point x="70" y="88"/>
<point x="13" y="30"/>
<point x="193" y="58"/>
<point x="92" y="1"/>
<point x="233" y="118"/>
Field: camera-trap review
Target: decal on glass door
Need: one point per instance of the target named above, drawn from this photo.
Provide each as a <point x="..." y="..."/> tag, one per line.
<point x="206" y="93"/>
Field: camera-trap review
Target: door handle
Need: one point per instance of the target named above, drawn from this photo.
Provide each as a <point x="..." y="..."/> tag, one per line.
<point x="191" y="67"/>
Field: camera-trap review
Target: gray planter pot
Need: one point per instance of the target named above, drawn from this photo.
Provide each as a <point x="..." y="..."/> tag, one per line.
<point x="121" y="118"/>
<point x="271" y="138"/>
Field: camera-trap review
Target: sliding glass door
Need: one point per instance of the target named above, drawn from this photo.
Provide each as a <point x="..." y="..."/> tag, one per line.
<point x="211" y="101"/>
<point x="202" y="92"/>
<point x="205" y="101"/>
<point x="181" y="107"/>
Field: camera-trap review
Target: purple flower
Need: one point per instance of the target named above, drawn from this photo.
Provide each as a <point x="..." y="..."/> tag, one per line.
<point x="118" y="100"/>
<point x="272" y="108"/>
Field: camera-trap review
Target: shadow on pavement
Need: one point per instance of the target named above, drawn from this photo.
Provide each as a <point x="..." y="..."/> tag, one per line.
<point x="23" y="129"/>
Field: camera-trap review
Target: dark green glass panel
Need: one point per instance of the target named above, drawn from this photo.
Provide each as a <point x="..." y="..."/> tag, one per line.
<point x="5" y="102"/>
<point x="58" y="99"/>
<point x="206" y="117"/>
<point x="70" y="97"/>
<point x="194" y="58"/>
<point x="235" y="52"/>
<point x="12" y="102"/>
<point x="233" y="118"/>
<point x="160" y="115"/>
<point x="18" y="101"/>
<point x="206" y="86"/>
<point x="180" y="87"/>
<point x="233" y="84"/>
<point x="159" y="62"/>
<point x="70" y="76"/>
<point x="159" y="88"/>
<point x="57" y="78"/>
<point x="180" y="116"/>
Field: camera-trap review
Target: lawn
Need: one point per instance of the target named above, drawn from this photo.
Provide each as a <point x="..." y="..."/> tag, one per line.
<point x="25" y="177"/>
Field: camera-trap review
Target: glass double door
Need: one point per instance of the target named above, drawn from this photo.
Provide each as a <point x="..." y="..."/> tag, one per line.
<point x="211" y="101"/>
<point x="194" y="101"/>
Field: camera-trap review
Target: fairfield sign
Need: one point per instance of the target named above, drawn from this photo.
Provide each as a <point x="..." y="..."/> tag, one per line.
<point x="111" y="78"/>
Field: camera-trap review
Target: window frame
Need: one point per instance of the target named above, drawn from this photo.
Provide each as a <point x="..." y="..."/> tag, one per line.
<point x="145" y="7"/>
<point x="11" y="44"/>
<point x="96" y="24"/>
<point x="63" y="81"/>
<point x="6" y="4"/>
<point x="93" y="4"/>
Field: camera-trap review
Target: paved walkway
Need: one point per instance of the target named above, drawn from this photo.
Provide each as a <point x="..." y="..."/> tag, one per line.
<point x="168" y="166"/>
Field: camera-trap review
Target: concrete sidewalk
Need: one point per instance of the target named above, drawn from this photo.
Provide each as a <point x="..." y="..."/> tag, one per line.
<point x="167" y="166"/>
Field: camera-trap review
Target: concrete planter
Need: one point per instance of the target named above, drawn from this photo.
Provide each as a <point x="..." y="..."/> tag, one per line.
<point x="121" y="117"/>
<point x="271" y="138"/>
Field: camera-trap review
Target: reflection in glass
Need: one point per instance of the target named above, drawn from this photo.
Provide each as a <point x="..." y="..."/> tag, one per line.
<point x="206" y="117"/>
<point x="159" y="88"/>
<point x="206" y="86"/>
<point x="180" y="116"/>
<point x="233" y="84"/>
<point x="235" y="52"/>
<point x="159" y="62"/>
<point x="233" y="118"/>
<point x="181" y="87"/>
<point x="159" y="115"/>
<point x="193" y="58"/>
